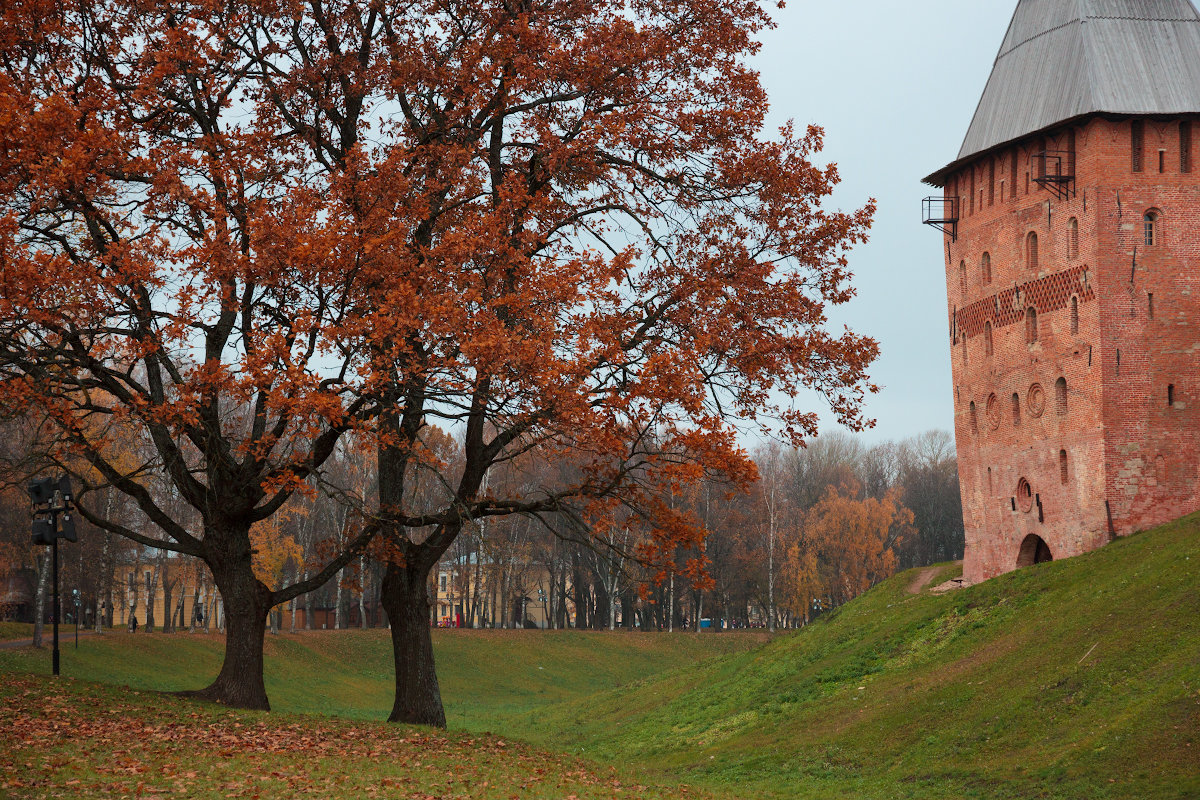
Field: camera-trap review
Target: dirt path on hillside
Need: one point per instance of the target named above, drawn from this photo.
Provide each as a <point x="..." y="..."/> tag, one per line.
<point x="922" y="580"/>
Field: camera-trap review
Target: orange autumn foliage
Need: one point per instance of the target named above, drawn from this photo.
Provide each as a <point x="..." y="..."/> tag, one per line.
<point x="844" y="547"/>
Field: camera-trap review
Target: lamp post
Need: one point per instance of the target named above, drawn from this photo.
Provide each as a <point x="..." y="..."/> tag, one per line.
<point x="52" y="498"/>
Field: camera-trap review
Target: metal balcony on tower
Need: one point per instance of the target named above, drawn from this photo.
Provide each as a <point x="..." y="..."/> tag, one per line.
<point x="1055" y="170"/>
<point x="942" y="213"/>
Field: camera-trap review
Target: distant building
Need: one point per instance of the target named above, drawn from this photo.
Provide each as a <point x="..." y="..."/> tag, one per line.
<point x="1072" y="250"/>
<point x="469" y="592"/>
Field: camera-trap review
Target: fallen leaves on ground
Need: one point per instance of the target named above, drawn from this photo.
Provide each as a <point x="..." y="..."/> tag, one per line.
<point x="73" y="739"/>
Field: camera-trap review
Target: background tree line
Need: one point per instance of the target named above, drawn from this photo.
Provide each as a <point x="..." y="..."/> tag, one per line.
<point x="822" y="524"/>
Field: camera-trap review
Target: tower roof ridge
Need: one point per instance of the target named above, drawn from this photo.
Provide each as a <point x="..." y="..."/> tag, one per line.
<point x="1064" y="59"/>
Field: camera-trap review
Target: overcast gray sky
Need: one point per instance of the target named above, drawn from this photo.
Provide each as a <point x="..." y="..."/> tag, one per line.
<point x="894" y="84"/>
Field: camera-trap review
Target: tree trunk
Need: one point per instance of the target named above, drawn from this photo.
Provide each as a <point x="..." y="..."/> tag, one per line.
<point x="308" y="606"/>
<point x="39" y="606"/>
<point x="198" y="600"/>
<point x="406" y="601"/>
<point x="151" y="596"/>
<point x="671" y="605"/>
<point x="133" y="596"/>
<point x="362" y="592"/>
<point x="167" y="615"/>
<point x="106" y="568"/>
<point x="246" y="605"/>
<point x="339" y="620"/>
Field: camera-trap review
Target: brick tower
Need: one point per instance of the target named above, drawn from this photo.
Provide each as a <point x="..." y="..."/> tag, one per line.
<point x="1072" y="246"/>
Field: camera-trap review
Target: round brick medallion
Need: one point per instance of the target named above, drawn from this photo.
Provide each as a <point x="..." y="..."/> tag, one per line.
<point x="993" y="411"/>
<point x="1024" y="496"/>
<point x="1035" y="401"/>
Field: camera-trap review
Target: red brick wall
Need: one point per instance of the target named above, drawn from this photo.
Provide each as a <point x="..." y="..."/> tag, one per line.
<point x="1127" y="453"/>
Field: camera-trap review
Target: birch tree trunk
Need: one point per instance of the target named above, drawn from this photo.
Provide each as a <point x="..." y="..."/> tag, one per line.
<point x="339" y="620"/>
<point x="671" y="604"/>
<point x="308" y="607"/>
<point x="362" y="592"/>
<point x="39" y="606"/>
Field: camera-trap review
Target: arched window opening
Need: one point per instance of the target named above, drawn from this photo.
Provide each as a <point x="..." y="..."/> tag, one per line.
<point x="1074" y="315"/>
<point x="985" y="268"/>
<point x="1016" y="409"/>
<point x="987" y="338"/>
<point x="990" y="490"/>
<point x="1031" y="251"/>
<point x="1031" y="325"/>
<point x="1171" y="395"/>
<point x="974" y="419"/>
<point x="1062" y="466"/>
<point x="962" y="277"/>
<point x="1060" y="397"/>
<point x="1034" y="550"/>
<point x="1072" y="238"/>
<point x="1150" y="228"/>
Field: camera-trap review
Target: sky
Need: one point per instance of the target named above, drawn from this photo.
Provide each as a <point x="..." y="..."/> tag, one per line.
<point x="894" y="85"/>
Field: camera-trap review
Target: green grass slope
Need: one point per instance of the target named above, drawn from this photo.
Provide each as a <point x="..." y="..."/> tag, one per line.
<point x="1073" y="679"/>
<point x="79" y="740"/>
<point x="488" y="678"/>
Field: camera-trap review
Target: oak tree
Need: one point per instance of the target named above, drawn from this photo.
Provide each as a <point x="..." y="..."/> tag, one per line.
<point x="173" y="270"/>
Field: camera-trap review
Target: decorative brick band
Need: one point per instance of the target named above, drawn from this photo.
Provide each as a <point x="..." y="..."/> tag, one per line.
<point x="1051" y="293"/>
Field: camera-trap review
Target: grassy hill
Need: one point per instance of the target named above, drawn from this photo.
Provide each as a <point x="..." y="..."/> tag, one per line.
<point x="1073" y="679"/>
<point x="488" y="678"/>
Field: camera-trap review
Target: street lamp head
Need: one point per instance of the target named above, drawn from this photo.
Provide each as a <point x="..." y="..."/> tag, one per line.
<point x="41" y="491"/>
<point x="66" y="528"/>
<point x="43" y="532"/>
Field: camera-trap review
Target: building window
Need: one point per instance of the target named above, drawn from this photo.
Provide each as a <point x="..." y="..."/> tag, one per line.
<point x="985" y="268"/>
<point x="1031" y="325"/>
<point x="1062" y="466"/>
<point x="1074" y="315"/>
<point x="1031" y="251"/>
<point x="1150" y="228"/>
<point x="987" y="338"/>
<point x="1137" y="145"/>
<point x="1016" y="409"/>
<point x="1162" y="161"/>
<point x="1150" y="304"/>
<point x="974" y="419"/>
<point x="962" y="277"/>
<point x="1171" y="396"/>
<point x="1060" y="397"/>
<point x="1185" y="146"/>
<point x="1072" y="238"/>
<point x="991" y="182"/>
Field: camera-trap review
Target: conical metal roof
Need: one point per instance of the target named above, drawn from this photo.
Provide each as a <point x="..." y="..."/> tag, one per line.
<point x="1064" y="59"/>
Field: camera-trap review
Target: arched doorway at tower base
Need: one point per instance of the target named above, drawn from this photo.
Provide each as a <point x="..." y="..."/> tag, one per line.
<point x="1034" y="550"/>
